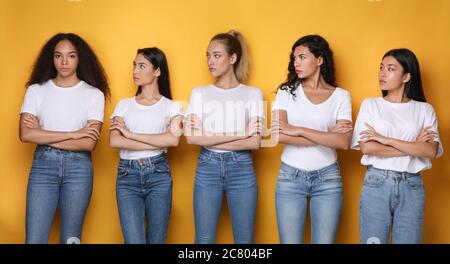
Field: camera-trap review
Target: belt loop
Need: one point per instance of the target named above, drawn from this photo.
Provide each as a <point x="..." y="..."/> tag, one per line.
<point x="210" y="155"/>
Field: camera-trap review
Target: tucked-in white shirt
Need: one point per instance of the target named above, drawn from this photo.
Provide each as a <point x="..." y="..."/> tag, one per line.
<point x="403" y="121"/>
<point x="153" y="119"/>
<point x="64" y="109"/>
<point x="225" y="110"/>
<point x="301" y="112"/>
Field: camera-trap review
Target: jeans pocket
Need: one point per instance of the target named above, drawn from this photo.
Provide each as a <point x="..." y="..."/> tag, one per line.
<point x="202" y="159"/>
<point x="162" y="167"/>
<point x="331" y="177"/>
<point x="121" y="171"/>
<point x="373" y="180"/>
<point x="244" y="159"/>
<point x="415" y="182"/>
<point x="286" y="173"/>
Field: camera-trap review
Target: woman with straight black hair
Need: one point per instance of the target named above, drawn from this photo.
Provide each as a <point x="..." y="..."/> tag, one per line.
<point x="398" y="136"/>
<point x="62" y="113"/>
<point x="312" y="116"/>
<point x="143" y="127"/>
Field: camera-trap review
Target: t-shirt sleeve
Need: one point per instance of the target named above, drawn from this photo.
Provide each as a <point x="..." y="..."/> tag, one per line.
<point x="345" y="108"/>
<point x="195" y="104"/>
<point x="360" y="124"/>
<point x="431" y="121"/>
<point x="30" y="102"/>
<point x="281" y="100"/>
<point x="96" y="108"/>
<point x="176" y="109"/>
<point x="119" y="110"/>
<point x="257" y="105"/>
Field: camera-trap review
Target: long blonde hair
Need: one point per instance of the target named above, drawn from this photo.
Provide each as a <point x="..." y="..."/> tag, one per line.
<point x="235" y="44"/>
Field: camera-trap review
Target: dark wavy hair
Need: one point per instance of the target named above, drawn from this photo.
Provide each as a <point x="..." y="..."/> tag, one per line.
<point x="410" y="64"/>
<point x="318" y="46"/>
<point x="89" y="67"/>
<point x="158" y="59"/>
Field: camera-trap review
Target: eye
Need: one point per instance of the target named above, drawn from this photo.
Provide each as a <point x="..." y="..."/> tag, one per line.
<point x="73" y="56"/>
<point x="57" y="56"/>
<point x="217" y="56"/>
<point x="142" y="66"/>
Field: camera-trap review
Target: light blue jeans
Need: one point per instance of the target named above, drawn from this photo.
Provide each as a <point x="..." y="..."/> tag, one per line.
<point x="231" y="173"/>
<point x="391" y="199"/>
<point x="144" y="190"/>
<point x="324" y="189"/>
<point x="58" y="177"/>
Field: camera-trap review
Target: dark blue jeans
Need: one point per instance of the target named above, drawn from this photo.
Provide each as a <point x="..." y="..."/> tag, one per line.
<point x="231" y="173"/>
<point x="144" y="190"/>
<point x="58" y="177"/>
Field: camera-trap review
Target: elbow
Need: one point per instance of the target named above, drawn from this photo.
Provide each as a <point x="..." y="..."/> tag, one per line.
<point x="256" y="144"/>
<point x="114" y="143"/>
<point x="345" y="146"/>
<point x="24" y="138"/>
<point x="174" y="142"/>
<point x="190" y="140"/>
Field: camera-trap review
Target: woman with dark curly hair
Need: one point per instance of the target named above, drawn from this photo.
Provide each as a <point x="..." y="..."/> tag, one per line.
<point x="313" y="118"/>
<point x="62" y="113"/>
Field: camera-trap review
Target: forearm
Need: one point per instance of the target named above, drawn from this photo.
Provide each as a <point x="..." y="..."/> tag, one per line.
<point x="418" y="149"/>
<point x="253" y="142"/>
<point x="159" y="140"/>
<point x="207" y="139"/>
<point x="327" y="139"/>
<point x="380" y="150"/>
<point x="120" y="142"/>
<point x="297" y="141"/>
<point x="40" y="136"/>
<point x="84" y="144"/>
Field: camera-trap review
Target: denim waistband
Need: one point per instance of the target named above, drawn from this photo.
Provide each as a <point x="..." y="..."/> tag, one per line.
<point x="391" y="173"/>
<point x="231" y="155"/>
<point x="58" y="151"/>
<point x="322" y="171"/>
<point x="143" y="162"/>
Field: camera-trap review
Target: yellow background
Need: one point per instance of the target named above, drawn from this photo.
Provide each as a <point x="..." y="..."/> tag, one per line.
<point x="359" y="32"/>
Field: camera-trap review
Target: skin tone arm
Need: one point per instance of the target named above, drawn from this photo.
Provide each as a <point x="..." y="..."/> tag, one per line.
<point x="195" y="134"/>
<point x="84" y="139"/>
<point x="251" y="142"/>
<point x="167" y="139"/>
<point x="338" y="138"/>
<point x="118" y="140"/>
<point x="424" y="146"/>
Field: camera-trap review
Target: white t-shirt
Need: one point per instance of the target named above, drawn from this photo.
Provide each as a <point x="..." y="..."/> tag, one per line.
<point x="153" y="119"/>
<point x="301" y="112"/>
<point x="225" y="110"/>
<point x="403" y="121"/>
<point x="64" y="109"/>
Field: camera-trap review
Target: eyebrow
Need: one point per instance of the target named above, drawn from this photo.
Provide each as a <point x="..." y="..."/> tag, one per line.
<point x="68" y="52"/>
<point x="389" y="64"/>
<point x="139" y="63"/>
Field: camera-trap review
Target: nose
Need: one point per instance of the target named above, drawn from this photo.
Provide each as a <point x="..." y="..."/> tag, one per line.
<point x="64" y="60"/>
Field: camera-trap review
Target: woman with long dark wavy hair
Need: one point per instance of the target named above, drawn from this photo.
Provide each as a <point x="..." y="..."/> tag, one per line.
<point x="313" y="118"/>
<point x="398" y="136"/>
<point x="62" y="113"/>
<point x="143" y="127"/>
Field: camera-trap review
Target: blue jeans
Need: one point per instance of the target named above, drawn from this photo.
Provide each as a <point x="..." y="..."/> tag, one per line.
<point x="58" y="176"/>
<point x="294" y="187"/>
<point x="391" y="199"/>
<point x="231" y="173"/>
<point x="144" y="191"/>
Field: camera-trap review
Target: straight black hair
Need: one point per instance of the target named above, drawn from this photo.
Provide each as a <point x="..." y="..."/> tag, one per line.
<point x="158" y="59"/>
<point x="410" y="64"/>
<point x="89" y="67"/>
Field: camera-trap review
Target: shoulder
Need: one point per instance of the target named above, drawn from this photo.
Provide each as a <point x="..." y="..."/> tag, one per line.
<point x="424" y="107"/>
<point x="124" y="102"/>
<point x="199" y="89"/>
<point x="254" y="91"/>
<point x="93" y="91"/>
<point x="39" y="87"/>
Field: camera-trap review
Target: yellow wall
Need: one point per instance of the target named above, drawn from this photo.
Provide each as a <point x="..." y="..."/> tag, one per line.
<point x="359" y="31"/>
